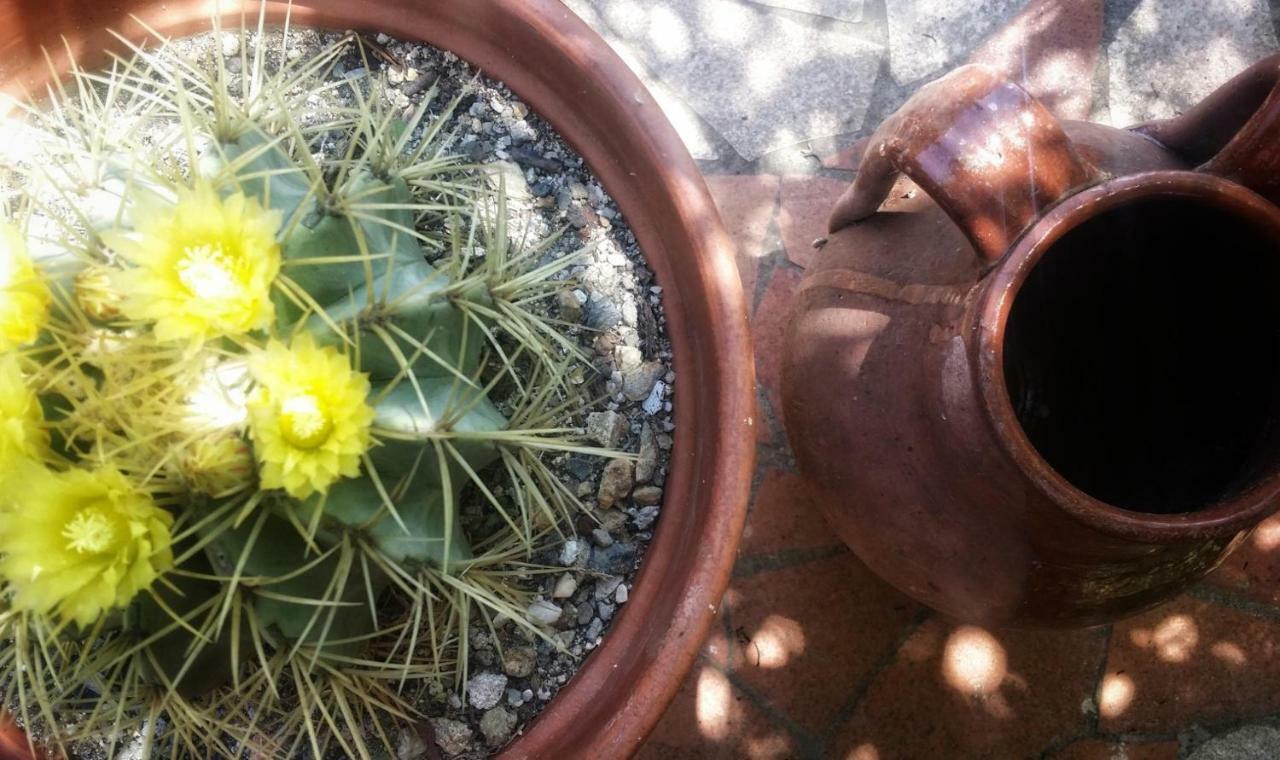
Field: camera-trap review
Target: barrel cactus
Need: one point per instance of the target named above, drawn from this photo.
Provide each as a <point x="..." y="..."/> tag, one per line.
<point x="246" y="383"/>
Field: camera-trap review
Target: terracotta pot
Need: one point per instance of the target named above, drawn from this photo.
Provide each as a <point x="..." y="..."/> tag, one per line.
<point x="1039" y="385"/>
<point x="565" y="72"/>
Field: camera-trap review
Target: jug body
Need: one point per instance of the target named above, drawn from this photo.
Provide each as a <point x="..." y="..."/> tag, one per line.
<point x="1044" y="403"/>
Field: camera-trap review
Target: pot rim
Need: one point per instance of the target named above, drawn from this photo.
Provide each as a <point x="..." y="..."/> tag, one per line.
<point x="1220" y="519"/>
<point x="569" y="75"/>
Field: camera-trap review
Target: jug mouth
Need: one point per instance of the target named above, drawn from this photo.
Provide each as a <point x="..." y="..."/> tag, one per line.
<point x="1096" y="441"/>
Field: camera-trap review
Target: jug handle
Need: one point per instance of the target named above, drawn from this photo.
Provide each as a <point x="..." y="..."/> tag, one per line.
<point x="1235" y="132"/>
<point x="985" y="150"/>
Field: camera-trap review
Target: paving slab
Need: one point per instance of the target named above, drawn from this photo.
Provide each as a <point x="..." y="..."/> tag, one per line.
<point x="1051" y="49"/>
<point x="927" y="37"/>
<point x="700" y="139"/>
<point x="1166" y="56"/>
<point x="1254" y="742"/>
<point x="762" y="77"/>
<point x="842" y="10"/>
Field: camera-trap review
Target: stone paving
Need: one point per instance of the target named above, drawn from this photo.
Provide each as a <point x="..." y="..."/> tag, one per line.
<point x="813" y="656"/>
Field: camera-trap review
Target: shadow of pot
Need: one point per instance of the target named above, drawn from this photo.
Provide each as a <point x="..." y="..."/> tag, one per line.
<point x="565" y="72"/>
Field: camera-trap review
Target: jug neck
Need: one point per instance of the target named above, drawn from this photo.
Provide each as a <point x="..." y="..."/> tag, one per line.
<point x="998" y="375"/>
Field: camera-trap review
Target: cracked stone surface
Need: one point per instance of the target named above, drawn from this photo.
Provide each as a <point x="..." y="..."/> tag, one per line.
<point x="1167" y="56"/>
<point x="841" y="10"/>
<point x="800" y="78"/>
<point x="926" y="36"/>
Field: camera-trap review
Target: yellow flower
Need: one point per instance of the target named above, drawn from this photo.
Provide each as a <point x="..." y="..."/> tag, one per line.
<point x="308" y="416"/>
<point x="24" y="295"/>
<point x="79" y="543"/>
<point x="202" y="268"/>
<point x="22" y="431"/>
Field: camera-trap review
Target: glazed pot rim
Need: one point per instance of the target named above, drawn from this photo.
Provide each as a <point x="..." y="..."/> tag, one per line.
<point x="1223" y="518"/>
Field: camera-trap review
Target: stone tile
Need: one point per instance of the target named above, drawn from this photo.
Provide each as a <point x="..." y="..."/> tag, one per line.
<point x="841" y="10"/>
<point x="849" y="156"/>
<point x="1189" y="662"/>
<point x="802" y="216"/>
<point x="1105" y="749"/>
<point x="711" y="720"/>
<point x="768" y="330"/>
<point x="1255" y="741"/>
<point x="761" y="77"/>
<point x="784" y="517"/>
<point x="1166" y="56"/>
<point x="805" y="636"/>
<point x="698" y="137"/>
<point x="747" y="205"/>
<point x="959" y="691"/>
<point x="1253" y="569"/>
<point x="1050" y="48"/>
<point x="927" y="37"/>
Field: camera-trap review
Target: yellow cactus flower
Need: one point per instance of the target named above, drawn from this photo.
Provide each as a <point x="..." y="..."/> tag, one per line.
<point x="309" y="416"/>
<point x="202" y="268"/>
<point x="24" y="295"/>
<point x="22" y="431"/>
<point x="79" y="543"/>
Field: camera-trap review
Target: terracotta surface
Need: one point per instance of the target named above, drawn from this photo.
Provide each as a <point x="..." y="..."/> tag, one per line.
<point x="899" y="385"/>
<point x="564" y="71"/>
<point x="1242" y="594"/>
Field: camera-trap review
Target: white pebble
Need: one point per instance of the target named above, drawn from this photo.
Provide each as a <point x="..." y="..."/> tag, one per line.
<point x="544" y="612"/>
<point x="620" y="596"/>
<point x="565" y="587"/>
<point x="486" y="690"/>
<point x="569" y="554"/>
<point x="230" y="44"/>
<point x="653" y="404"/>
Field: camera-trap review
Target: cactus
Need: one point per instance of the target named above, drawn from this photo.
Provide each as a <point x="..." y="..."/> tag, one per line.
<point x="250" y="389"/>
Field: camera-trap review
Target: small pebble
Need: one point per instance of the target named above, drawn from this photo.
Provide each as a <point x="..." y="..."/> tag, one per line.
<point x="606" y="428"/>
<point x="544" y="612"/>
<point x="605" y="610"/>
<point x="452" y="736"/>
<point x="615" y="482"/>
<point x="585" y="613"/>
<point x="519" y="662"/>
<point x="647" y="460"/>
<point x="486" y="690"/>
<point x="497" y="725"/>
<point x="565" y="586"/>
<point x="601" y="537"/>
<point x="628" y="358"/>
<point x="645" y="517"/>
<point x="594" y="630"/>
<point x="515" y="697"/>
<point x="653" y="404"/>
<point x="647" y="495"/>
<point x="607" y="587"/>
<point x="569" y="552"/>
<point x="639" y="383"/>
<point x="230" y="44"/>
<point x="621" y="595"/>
<point x="569" y="305"/>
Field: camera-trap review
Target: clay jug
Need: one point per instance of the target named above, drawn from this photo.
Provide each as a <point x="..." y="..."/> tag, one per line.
<point x="1040" y="383"/>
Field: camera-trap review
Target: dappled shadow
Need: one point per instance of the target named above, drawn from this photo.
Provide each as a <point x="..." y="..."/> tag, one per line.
<point x="803" y="75"/>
